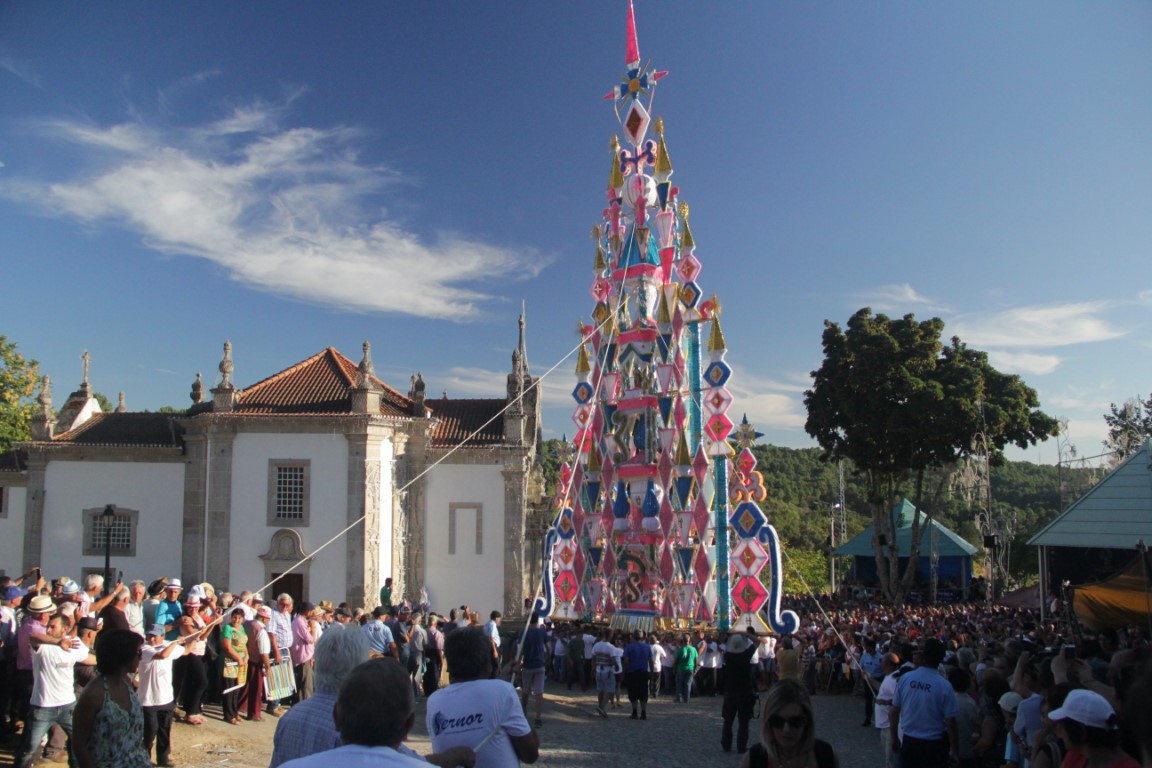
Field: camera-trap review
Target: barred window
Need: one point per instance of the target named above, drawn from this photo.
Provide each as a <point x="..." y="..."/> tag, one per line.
<point x="118" y="536"/>
<point x="288" y="492"/>
<point x="121" y="535"/>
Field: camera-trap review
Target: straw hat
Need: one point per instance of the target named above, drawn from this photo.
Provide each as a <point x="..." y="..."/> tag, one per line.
<point x="738" y="642"/>
<point x="41" y="604"/>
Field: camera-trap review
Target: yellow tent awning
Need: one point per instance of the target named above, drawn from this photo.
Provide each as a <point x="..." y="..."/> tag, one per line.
<point x="1120" y="600"/>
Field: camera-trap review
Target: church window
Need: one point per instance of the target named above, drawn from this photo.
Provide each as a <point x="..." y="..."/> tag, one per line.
<point x="465" y="520"/>
<point x="121" y="536"/>
<point x="289" y="486"/>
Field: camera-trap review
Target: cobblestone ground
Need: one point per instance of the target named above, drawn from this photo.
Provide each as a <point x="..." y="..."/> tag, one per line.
<point x="573" y="736"/>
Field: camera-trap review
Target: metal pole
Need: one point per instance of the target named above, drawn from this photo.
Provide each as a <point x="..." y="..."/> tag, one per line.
<point x="107" y="518"/>
<point x="832" y="554"/>
<point x="1043" y="583"/>
<point x="723" y="584"/>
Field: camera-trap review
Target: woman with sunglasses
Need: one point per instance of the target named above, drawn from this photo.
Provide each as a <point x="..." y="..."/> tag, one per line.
<point x="788" y="733"/>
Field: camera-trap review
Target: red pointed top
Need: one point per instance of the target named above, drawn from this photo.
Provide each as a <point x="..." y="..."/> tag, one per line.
<point x="632" y="55"/>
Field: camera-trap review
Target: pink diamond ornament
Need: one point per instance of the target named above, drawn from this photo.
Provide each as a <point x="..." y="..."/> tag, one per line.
<point x="749" y="594"/>
<point x="748" y="557"/>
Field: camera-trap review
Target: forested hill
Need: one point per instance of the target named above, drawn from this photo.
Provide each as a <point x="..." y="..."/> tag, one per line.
<point x="802" y="488"/>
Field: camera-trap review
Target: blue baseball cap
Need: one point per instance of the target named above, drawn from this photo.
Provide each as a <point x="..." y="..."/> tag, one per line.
<point x="12" y="592"/>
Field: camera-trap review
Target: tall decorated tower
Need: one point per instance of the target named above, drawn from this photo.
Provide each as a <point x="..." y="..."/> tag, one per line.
<point x="656" y="515"/>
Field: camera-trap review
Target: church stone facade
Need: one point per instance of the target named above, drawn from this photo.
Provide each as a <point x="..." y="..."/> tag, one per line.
<point x="320" y="480"/>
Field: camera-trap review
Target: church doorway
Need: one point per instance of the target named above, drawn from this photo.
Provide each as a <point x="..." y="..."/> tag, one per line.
<point x="292" y="583"/>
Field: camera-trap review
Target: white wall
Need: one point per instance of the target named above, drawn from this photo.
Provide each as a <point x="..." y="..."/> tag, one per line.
<point x="477" y="580"/>
<point x="155" y="490"/>
<point x="328" y="500"/>
<point x="12" y="530"/>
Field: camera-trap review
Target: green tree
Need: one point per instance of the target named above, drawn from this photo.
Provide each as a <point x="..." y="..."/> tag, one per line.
<point x="548" y="457"/>
<point x="1129" y="425"/>
<point x="804" y="572"/>
<point x="903" y="408"/>
<point x="18" y="379"/>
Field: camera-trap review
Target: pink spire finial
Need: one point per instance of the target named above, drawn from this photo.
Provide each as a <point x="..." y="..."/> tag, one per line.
<point x="632" y="55"/>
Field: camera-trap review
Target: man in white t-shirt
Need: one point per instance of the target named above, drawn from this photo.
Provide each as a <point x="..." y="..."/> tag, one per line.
<point x="656" y="664"/>
<point x="889" y="664"/>
<point x="560" y="656"/>
<point x="607" y="659"/>
<point x="53" y="693"/>
<point x="477" y="712"/>
<point x="589" y="672"/>
<point x="766" y="660"/>
<point x="155" y="692"/>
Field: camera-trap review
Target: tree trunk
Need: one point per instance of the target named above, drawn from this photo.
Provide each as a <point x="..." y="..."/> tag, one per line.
<point x="909" y="574"/>
<point x="928" y="509"/>
<point x="880" y="528"/>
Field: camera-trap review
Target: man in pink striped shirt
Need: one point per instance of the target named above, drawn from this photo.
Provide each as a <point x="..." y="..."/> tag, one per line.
<point x="305" y="632"/>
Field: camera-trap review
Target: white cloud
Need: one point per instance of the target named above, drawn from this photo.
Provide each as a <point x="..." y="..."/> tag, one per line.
<point x="1039" y="326"/>
<point x="20" y="69"/>
<point x="1091" y="398"/>
<point x="898" y="299"/>
<point x="165" y="96"/>
<point x="769" y="404"/>
<point x="279" y="209"/>
<point x="1024" y="362"/>
<point x="1087" y="437"/>
<point x="555" y="390"/>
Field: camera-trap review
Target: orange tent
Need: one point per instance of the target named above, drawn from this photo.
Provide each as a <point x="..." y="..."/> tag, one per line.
<point x="1119" y="601"/>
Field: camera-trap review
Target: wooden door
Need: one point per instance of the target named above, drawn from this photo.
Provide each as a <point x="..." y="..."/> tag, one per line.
<point x="292" y="583"/>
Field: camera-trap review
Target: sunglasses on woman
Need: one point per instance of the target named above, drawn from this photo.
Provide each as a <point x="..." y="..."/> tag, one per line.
<point x="795" y="723"/>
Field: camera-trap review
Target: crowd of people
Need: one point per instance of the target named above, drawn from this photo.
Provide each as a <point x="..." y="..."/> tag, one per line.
<point x="97" y="677"/>
<point x="982" y="686"/>
<point x="160" y="651"/>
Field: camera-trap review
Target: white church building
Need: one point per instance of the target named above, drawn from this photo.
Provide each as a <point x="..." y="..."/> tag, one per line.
<point x="321" y="463"/>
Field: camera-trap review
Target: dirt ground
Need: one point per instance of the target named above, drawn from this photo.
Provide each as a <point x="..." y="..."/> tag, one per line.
<point x="573" y="736"/>
<point x="216" y="743"/>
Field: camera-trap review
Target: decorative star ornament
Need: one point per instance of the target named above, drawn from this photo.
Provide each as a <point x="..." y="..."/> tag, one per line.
<point x="746" y="434"/>
<point x="637" y="80"/>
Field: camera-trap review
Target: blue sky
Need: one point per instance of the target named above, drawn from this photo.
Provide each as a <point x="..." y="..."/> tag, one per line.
<point x="296" y="175"/>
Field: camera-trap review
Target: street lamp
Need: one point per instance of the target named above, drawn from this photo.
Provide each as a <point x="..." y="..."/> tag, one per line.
<point x="108" y="519"/>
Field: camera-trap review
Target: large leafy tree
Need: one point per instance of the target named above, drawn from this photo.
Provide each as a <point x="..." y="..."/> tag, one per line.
<point x="1129" y="425"/>
<point x="18" y="378"/>
<point x="904" y="409"/>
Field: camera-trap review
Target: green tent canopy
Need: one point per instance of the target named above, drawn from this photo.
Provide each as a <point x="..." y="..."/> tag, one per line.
<point x="948" y="544"/>
<point x="954" y="563"/>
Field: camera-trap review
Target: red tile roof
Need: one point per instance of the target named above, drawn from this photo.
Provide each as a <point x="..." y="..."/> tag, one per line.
<point x="457" y="419"/>
<point x="318" y="385"/>
<point x="141" y="429"/>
